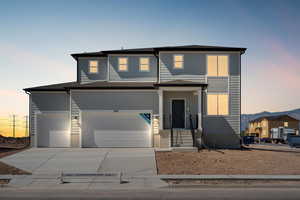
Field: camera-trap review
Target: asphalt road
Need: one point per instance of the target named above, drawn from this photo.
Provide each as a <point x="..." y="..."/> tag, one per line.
<point x="276" y="193"/>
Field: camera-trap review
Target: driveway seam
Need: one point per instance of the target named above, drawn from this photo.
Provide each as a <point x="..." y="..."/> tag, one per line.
<point x="43" y="163"/>
<point x="102" y="161"/>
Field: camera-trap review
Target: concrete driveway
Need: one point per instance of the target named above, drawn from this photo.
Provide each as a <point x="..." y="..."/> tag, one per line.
<point x="131" y="161"/>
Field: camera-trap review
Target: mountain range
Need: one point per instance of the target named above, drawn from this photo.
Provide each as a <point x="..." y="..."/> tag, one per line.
<point x="245" y="118"/>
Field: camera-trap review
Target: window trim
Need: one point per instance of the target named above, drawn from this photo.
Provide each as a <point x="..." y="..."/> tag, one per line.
<point x="90" y="66"/>
<point x="140" y="64"/>
<point x="174" y="55"/>
<point x="217" y="93"/>
<point x="122" y="64"/>
<point x="228" y="65"/>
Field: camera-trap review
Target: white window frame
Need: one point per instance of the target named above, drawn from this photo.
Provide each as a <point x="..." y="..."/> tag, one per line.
<point x="228" y="65"/>
<point x="140" y="64"/>
<point x="178" y="61"/>
<point x="122" y="64"/>
<point x="217" y="93"/>
<point x="90" y="72"/>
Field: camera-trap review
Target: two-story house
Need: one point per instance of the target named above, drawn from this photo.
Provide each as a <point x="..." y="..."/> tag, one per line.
<point x="147" y="97"/>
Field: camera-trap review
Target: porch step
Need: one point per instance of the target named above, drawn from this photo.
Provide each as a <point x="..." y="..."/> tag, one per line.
<point x="184" y="138"/>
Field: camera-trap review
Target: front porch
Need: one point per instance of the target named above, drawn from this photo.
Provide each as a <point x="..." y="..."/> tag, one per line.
<point x="180" y="115"/>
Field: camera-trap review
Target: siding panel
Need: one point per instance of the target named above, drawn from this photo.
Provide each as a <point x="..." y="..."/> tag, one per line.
<point x="133" y="73"/>
<point x="83" y="69"/>
<point x="194" y="67"/>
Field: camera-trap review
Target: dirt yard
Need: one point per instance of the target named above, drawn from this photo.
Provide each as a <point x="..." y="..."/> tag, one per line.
<point x="228" y="162"/>
<point x="7" y="169"/>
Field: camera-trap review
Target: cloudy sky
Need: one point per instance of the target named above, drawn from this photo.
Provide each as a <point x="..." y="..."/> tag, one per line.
<point x="37" y="38"/>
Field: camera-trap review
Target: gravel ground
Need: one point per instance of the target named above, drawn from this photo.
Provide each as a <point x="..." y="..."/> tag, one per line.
<point x="229" y="162"/>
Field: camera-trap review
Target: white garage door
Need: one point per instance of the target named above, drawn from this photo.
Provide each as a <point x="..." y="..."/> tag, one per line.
<point x="116" y="129"/>
<point x="53" y="129"/>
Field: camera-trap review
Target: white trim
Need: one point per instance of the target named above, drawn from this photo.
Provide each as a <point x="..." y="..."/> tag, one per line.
<point x="228" y="65"/>
<point x="108" y="69"/>
<point x="96" y="66"/>
<point x="200" y="109"/>
<point x="174" y="68"/>
<point x="148" y="70"/>
<point x="171" y="108"/>
<point x="70" y="119"/>
<point x="124" y="57"/>
<point x="158" y="67"/>
<point x="217" y="93"/>
<point x="161" y="108"/>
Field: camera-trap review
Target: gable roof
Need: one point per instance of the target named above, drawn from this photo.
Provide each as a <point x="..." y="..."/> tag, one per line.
<point x="95" y="85"/>
<point x="155" y="50"/>
<point x="274" y="117"/>
<point x="113" y="85"/>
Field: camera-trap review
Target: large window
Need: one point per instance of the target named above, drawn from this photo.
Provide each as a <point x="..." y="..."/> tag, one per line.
<point x="217" y="104"/>
<point x="123" y="64"/>
<point x="93" y="66"/>
<point x="144" y="64"/>
<point x="217" y="65"/>
<point x="178" y="61"/>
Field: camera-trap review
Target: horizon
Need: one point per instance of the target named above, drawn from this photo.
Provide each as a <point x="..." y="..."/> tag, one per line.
<point x="40" y="36"/>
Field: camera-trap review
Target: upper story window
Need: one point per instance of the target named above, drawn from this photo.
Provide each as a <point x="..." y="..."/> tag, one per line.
<point x="144" y="64"/>
<point x="93" y="66"/>
<point x="285" y="124"/>
<point x="178" y="61"/>
<point x="217" y="65"/>
<point x="217" y="104"/>
<point x="123" y="64"/>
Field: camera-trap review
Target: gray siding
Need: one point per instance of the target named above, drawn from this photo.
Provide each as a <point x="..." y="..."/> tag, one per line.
<point x="224" y="131"/>
<point x="83" y="70"/>
<point x="217" y="84"/>
<point x="194" y="67"/>
<point x="109" y="100"/>
<point x="44" y="102"/>
<point x="191" y="105"/>
<point x="133" y="73"/>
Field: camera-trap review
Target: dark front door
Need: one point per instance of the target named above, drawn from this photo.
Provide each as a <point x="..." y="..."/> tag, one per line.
<point x="178" y="113"/>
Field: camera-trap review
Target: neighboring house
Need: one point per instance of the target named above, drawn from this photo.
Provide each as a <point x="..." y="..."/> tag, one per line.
<point x="261" y="127"/>
<point x="133" y="97"/>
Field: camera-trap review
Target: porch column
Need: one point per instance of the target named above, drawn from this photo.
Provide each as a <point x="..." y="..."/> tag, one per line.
<point x="200" y="109"/>
<point x="160" y="103"/>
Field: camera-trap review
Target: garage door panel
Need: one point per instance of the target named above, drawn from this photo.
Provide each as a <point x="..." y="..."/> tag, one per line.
<point x="122" y="129"/>
<point x="53" y="130"/>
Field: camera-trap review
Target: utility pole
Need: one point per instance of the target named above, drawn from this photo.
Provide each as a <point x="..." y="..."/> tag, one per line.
<point x="14" y="126"/>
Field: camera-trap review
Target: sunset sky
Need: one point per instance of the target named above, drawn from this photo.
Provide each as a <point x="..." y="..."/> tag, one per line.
<point x="37" y="38"/>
